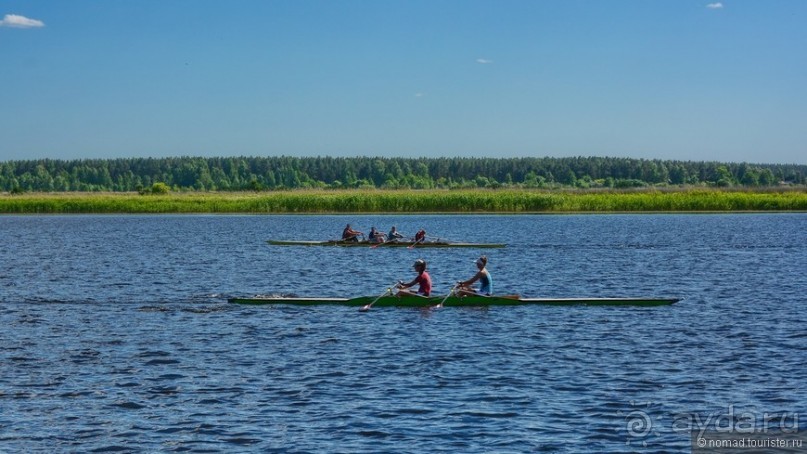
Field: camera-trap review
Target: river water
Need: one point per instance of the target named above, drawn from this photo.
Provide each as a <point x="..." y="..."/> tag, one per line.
<point x="117" y="334"/>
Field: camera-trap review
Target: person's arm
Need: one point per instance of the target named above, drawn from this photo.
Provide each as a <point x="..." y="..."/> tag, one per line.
<point x="409" y="284"/>
<point x="470" y="281"/>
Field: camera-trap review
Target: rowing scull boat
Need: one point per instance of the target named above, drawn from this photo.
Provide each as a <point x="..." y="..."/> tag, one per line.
<point x="421" y="244"/>
<point x="455" y="301"/>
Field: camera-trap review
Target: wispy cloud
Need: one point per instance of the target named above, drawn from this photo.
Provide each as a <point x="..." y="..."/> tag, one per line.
<point x="717" y="5"/>
<point x="484" y="61"/>
<point x="16" y="21"/>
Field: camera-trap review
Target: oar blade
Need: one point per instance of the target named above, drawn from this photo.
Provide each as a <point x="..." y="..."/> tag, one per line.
<point x="367" y="307"/>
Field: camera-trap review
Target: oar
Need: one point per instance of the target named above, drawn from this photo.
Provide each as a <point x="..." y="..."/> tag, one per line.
<point x="367" y="307"/>
<point x="416" y="242"/>
<point x="377" y="244"/>
<point x="450" y="292"/>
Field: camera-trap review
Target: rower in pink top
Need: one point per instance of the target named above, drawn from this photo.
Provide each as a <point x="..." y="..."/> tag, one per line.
<point x="423" y="280"/>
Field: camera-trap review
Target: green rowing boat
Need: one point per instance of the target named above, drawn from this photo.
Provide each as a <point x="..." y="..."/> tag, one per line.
<point x="456" y="301"/>
<point x="421" y="244"/>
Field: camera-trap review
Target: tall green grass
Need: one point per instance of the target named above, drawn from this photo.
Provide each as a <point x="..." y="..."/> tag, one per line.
<point x="407" y="201"/>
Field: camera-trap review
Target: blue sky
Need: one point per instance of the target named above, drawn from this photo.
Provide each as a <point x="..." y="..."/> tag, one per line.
<point x="666" y="79"/>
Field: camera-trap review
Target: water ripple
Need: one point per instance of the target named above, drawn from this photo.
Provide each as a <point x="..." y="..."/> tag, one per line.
<point x="146" y="355"/>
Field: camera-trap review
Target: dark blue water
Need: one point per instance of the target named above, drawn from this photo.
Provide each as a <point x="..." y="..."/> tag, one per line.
<point x="116" y="334"/>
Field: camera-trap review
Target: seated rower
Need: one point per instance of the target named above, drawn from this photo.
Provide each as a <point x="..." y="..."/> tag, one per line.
<point x="394" y="234"/>
<point x="464" y="288"/>
<point x="375" y="236"/>
<point x="350" y="235"/>
<point x="423" y="279"/>
<point x="420" y="236"/>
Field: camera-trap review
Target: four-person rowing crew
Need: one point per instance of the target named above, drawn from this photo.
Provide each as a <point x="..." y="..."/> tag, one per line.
<point x="461" y="288"/>
<point x="375" y="236"/>
<point x="394" y="239"/>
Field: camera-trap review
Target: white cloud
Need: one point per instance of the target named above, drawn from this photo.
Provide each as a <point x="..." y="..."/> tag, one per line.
<point x="484" y="61"/>
<point x="717" y="5"/>
<point x="16" y="21"/>
<point x="418" y="95"/>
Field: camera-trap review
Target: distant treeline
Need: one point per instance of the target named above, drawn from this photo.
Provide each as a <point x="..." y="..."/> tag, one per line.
<point x="273" y="173"/>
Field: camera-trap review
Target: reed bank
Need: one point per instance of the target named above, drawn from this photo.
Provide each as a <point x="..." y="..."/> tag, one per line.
<point x="410" y="201"/>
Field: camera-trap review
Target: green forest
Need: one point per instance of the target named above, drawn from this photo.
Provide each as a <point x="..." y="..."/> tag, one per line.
<point x="283" y="173"/>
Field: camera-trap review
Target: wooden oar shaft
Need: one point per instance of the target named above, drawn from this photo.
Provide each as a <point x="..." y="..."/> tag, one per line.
<point x="450" y="292"/>
<point x="367" y="307"/>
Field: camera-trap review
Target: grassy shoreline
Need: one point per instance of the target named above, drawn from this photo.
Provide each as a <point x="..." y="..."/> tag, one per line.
<point x="408" y="201"/>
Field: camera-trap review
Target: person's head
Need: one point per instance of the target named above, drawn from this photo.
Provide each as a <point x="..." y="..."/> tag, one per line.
<point x="420" y="265"/>
<point x="372" y="229"/>
<point x="348" y="226"/>
<point x="393" y="228"/>
<point x="481" y="262"/>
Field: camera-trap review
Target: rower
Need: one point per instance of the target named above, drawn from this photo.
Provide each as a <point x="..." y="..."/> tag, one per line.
<point x="420" y="236"/>
<point x="483" y="276"/>
<point x="394" y="234"/>
<point x="423" y="279"/>
<point x="375" y="236"/>
<point x="350" y="235"/>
